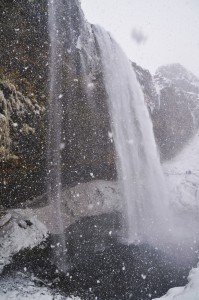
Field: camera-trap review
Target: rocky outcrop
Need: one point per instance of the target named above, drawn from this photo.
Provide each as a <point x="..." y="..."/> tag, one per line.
<point x="24" y="45"/>
<point x="87" y="147"/>
<point x="147" y="84"/>
<point x="20" y="119"/>
<point x="83" y="200"/>
<point x="177" y="117"/>
<point x="172" y="96"/>
<point x="21" y="141"/>
<point x="18" y="231"/>
<point x="21" y="287"/>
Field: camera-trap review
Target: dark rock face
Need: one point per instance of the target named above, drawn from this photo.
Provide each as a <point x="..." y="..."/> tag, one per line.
<point x="87" y="146"/>
<point x="21" y="143"/>
<point x="24" y="61"/>
<point x="24" y="45"/>
<point x="147" y="84"/>
<point x="172" y="98"/>
<point x="177" y="117"/>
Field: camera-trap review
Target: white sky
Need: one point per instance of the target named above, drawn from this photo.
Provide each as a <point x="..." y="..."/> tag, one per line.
<point x="171" y="27"/>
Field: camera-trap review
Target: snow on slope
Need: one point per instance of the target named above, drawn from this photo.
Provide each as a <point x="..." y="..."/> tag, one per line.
<point x="177" y="76"/>
<point x="21" y="287"/>
<point x="183" y="181"/>
<point x="182" y="174"/>
<point x="19" y="232"/>
<point x="189" y="292"/>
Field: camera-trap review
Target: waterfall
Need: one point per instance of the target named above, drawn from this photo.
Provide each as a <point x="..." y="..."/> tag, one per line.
<point x="55" y="129"/>
<point x="139" y="169"/>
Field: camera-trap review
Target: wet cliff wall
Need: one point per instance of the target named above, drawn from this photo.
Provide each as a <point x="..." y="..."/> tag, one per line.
<point x="87" y="150"/>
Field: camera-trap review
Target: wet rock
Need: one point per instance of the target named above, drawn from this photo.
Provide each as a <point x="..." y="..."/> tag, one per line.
<point x="82" y="200"/>
<point x="21" y="287"/>
<point x="99" y="265"/>
<point x="85" y="130"/>
<point x="4" y="219"/>
<point x="16" y="235"/>
<point x="21" y="144"/>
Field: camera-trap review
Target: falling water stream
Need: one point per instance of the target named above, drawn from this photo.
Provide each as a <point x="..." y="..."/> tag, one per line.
<point x="55" y="129"/>
<point x="139" y="169"/>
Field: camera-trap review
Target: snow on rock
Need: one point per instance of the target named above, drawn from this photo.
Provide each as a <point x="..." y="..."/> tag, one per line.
<point x="17" y="232"/>
<point x="19" y="118"/>
<point x="182" y="175"/>
<point x="176" y="75"/>
<point x="85" y="199"/>
<point x="176" y="118"/>
<point x="94" y="197"/>
<point x="21" y="287"/>
<point x="147" y="85"/>
<point x="189" y="292"/>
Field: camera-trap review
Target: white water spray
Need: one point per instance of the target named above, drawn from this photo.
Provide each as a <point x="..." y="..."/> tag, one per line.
<point x="55" y="131"/>
<point x="139" y="168"/>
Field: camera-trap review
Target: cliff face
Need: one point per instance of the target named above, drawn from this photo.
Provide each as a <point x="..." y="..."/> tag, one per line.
<point x="172" y="96"/>
<point x="24" y="84"/>
<point x="24" y="63"/>
<point x="147" y="84"/>
<point x="21" y="143"/>
<point x="19" y="117"/>
<point x="87" y="149"/>
<point x="24" y="45"/>
<point x="176" y="119"/>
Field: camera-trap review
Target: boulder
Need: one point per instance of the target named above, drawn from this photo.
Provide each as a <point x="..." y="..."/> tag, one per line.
<point x="18" y="231"/>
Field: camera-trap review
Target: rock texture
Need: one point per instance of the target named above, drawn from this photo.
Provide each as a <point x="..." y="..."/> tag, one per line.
<point x="172" y="96"/>
<point x="22" y="286"/>
<point x="87" y="150"/>
<point x="86" y="146"/>
<point x="19" y="232"/>
<point x="83" y="200"/>
<point x="21" y="141"/>
<point x="177" y="117"/>
<point x="147" y="84"/>
<point x="24" y="45"/>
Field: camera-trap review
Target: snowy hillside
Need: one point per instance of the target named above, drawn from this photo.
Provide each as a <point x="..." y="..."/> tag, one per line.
<point x="182" y="175"/>
<point x="176" y="75"/>
<point x="176" y="119"/>
<point x="189" y="292"/>
<point x="22" y="287"/>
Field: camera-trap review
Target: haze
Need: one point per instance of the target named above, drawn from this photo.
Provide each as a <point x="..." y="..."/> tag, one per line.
<point x="151" y="32"/>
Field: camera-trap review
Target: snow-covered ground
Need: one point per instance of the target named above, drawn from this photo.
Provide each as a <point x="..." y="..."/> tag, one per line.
<point x="189" y="292"/>
<point x="17" y="232"/>
<point x="182" y="175"/>
<point x="85" y="199"/>
<point x="21" y="287"/>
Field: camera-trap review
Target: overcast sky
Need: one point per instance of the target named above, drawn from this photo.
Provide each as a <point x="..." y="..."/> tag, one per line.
<point x="151" y="32"/>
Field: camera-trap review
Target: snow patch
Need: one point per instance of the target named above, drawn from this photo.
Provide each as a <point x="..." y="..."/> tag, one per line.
<point x="182" y="175"/>
<point x="21" y="287"/>
<point x="189" y="292"/>
<point x="20" y="232"/>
